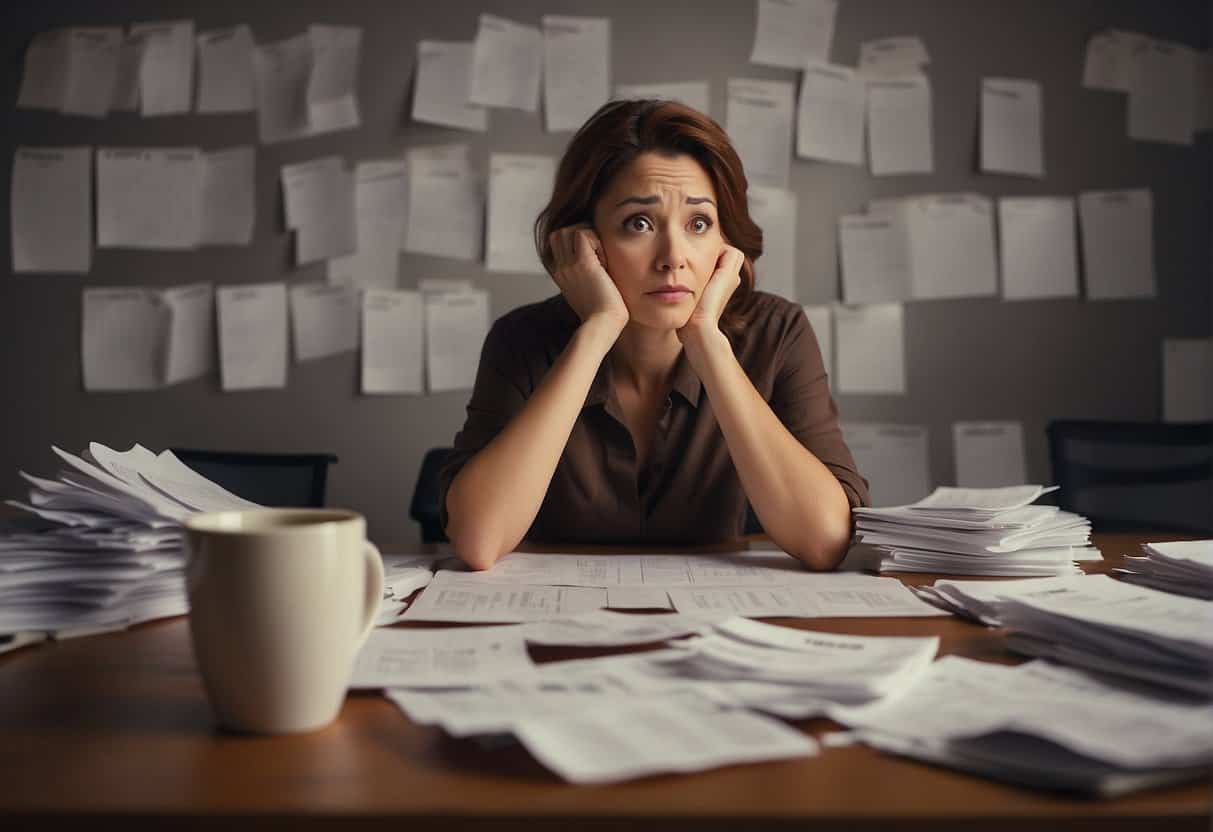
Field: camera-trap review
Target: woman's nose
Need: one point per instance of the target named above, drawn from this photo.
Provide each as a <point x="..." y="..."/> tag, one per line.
<point x="671" y="254"/>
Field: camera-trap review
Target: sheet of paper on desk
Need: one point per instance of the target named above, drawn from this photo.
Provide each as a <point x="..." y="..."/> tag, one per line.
<point x="191" y="344"/>
<point x="252" y="336"/>
<point x="830" y="114"/>
<point x="519" y="187"/>
<point x="456" y="325"/>
<point x="1039" y="254"/>
<point x="1012" y="138"/>
<point x="869" y="348"/>
<point x="989" y="454"/>
<point x="463" y="657"/>
<point x="774" y="209"/>
<point x="602" y="746"/>
<point x="324" y="319"/>
<point x="166" y="67"/>
<point x="444" y="71"/>
<point x="900" y="139"/>
<point x="149" y="197"/>
<point x="225" y="70"/>
<point x="1117" y="230"/>
<point x="694" y="94"/>
<point x="454" y="596"/>
<point x="124" y="338"/>
<point x="507" y="62"/>
<point x="452" y="223"/>
<point x="637" y="598"/>
<point x="52" y="209"/>
<point x="229" y="181"/>
<point x="759" y="122"/>
<point x="836" y="595"/>
<point x="393" y="341"/>
<point x="790" y="31"/>
<point x="602" y="628"/>
<point x="576" y="69"/>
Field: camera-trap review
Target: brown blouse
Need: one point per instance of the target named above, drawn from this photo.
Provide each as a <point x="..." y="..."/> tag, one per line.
<point x="689" y="490"/>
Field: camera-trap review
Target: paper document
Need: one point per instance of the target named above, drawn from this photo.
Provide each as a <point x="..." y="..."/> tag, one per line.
<point x="44" y="78"/>
<point x="875" y="256"/>
<point x="830" y="114"/>
<point x="51" y="209"/>
<point x="446" y="203"/>
<point x="93" y="54"/>
<point x="576" y="69"/>
<point x="989" y="454"/>
<point x="1012" y="138"/>
<point x="453" y="596"/>
<point x="319" y="199"/>
<point x="893" y="57"/>
<point x="440" y="95"/>
<point x="759" y="122"/>
<point x="332" y="87"/>
<point x="124" y="332"/>
<point x="789" y="32"/>
<point x="393" y="340"/>
<point x="126" y="82"/>
<point x="226" y="82"/>
<point x="869" y="346"/>
<point x="821" y="320"/>
<point x="462" y="657"/>
<point x="1037" y="248"/>
<point x="1187" y="379"/>
<point x="520" y="185"/>
<point x="1109" y="60"/>
<point x="602" y="628"/>
<point x="952" y="249"/>
<point x="166" y="67"/>
<point x="1162" y="92"/>
<point x="637" y="598"/>
<point x="507" y="62"/>
<point x="839" y="595"/>
<point x="601" y="746"/>
<point x="149" y="197"/>
<point x="380" y="214"/>
<point x="1117" y="243"/>
<point x="774" y="210"/>
<point x="893" y="458"/>
<point x="252" y="336"/>
<point x="324" y="320"/>
<point x="456" y="325"/>
<point x="900" y="139"/>
<point x="191" y="340"/>
<point x="229" y="204"/>
<point x="694" y="94"/>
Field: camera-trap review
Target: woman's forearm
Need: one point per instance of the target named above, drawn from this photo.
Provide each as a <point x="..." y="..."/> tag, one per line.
<point x="494" y="499"/>
<point x="797" y="499"/>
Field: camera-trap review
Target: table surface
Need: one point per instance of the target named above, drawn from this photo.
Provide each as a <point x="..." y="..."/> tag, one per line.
<point x="116" y="726"/>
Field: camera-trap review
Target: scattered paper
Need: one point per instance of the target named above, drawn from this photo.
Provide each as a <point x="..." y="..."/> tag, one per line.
<point x="790" y="32"/>
<point x="461" y="657"/>
<point x="989" y="454"/>
<point x="393" y="340"/>
<point x="122" y="345"/>
<point x="446" y="203"/>
<point x="774" y="210"/>
<point x="51" y="209"/>
<point x="830" y="114"/>
<point x="870" y="349"/>
<point x="166" y="67"/>
<point x="576" y="69"/>
<point x="893" y="458"/>
<point x="900" y="139"/>
<point x="1038" y="251"/>
<point x="324" y="320"/>
<point x="229" y="204"/>
<point x="1117" y="243"/>
<point x="452" y="596"/>
<point x="694" y="94"/>
<point x="759" y="122"/>
<point x="252" y="336"/>
<point x="1012" y="135"/>
<point x="507" y="61"/>
<point x="226" y="81"/>
<point x="191" y="340"/>
<point x="440" y="96"/>
<point x="1187" y="379"/>
<point x="456" y="325"/>
<point x="149" y="197"/>
<point x="603" y="628"/>
<point x="520" y="186"/>
<point x="637" y="598"/>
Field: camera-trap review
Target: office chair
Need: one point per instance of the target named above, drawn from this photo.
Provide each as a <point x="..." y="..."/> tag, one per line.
<point x="1135" y="476"/>
<point x="425" y="508"/>
<point x="280" y="480"/>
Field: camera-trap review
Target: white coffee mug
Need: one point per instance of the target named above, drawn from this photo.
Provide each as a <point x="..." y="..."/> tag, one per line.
<point x="281" y="600"/>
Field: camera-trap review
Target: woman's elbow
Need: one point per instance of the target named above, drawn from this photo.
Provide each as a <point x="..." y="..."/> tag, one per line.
<point x="473" y="547"/>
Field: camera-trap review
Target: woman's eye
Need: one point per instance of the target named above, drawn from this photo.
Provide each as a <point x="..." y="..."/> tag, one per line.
<point x="700" y="225"/>
<point x="637" y="223"/>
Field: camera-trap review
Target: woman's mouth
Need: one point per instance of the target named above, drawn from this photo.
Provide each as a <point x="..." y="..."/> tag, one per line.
<point x="670" y="294"/>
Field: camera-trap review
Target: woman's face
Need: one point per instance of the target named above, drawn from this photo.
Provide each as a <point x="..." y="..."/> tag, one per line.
<point x="660" y="236"/>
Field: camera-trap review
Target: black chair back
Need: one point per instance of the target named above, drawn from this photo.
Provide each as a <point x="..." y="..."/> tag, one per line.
<point x="425" y="507"/>
<point x="279" y="480"/>
<point x="1135" y="476"/>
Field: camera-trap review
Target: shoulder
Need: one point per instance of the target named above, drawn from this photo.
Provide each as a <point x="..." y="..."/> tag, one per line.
<point x="541" y="323"/>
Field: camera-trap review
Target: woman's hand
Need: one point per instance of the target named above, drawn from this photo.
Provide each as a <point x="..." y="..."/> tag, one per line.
<point x="579" y="269"/>
<point x="705" y="319"/>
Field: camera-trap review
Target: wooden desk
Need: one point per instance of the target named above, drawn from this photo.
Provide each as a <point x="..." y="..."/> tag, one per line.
<point x="116" y="727"/>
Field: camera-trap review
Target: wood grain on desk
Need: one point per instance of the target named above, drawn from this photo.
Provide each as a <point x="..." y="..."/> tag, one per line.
<point x="116" y="727"/>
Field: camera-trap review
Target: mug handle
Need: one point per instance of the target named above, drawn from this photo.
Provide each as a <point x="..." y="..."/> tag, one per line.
<point x="374" y="589"/>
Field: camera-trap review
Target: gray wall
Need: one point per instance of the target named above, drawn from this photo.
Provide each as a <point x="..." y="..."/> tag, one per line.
<point x="967" y="359"/>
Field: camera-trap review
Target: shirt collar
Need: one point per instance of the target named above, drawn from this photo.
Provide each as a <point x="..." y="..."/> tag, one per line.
<point x="684" y="382"/>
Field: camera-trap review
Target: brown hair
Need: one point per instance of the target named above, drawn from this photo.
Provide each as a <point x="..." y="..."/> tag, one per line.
<point x="618" y="133"/>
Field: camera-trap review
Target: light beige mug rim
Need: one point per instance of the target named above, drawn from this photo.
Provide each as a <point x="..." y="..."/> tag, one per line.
<point x="211" y="522"/>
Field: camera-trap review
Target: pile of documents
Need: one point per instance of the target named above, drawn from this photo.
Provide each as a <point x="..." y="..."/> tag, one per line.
<point x="976" y="531"/>
<point x="1184" y="567"/>
<point x="1096" y="622"/>
<point x="1040" y="724"/>
<point x="112" y="554"/>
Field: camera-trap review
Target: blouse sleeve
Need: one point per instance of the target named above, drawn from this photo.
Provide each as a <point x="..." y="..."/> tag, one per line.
<point x="500" y="391"/>
<point x="802" y="401"/>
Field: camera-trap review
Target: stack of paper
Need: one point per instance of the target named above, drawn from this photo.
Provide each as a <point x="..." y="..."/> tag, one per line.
<point x="976" y="531"/>
<point x="115" y="554"/>
<point x="1039" y="724"/>
<point x="1184" y="567"/>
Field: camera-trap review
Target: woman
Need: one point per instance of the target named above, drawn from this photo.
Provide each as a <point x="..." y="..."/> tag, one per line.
<point x="658" y="391"/>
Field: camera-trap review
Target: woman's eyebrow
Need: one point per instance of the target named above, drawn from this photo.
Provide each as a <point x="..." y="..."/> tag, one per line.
<point x="653" y="200"/>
